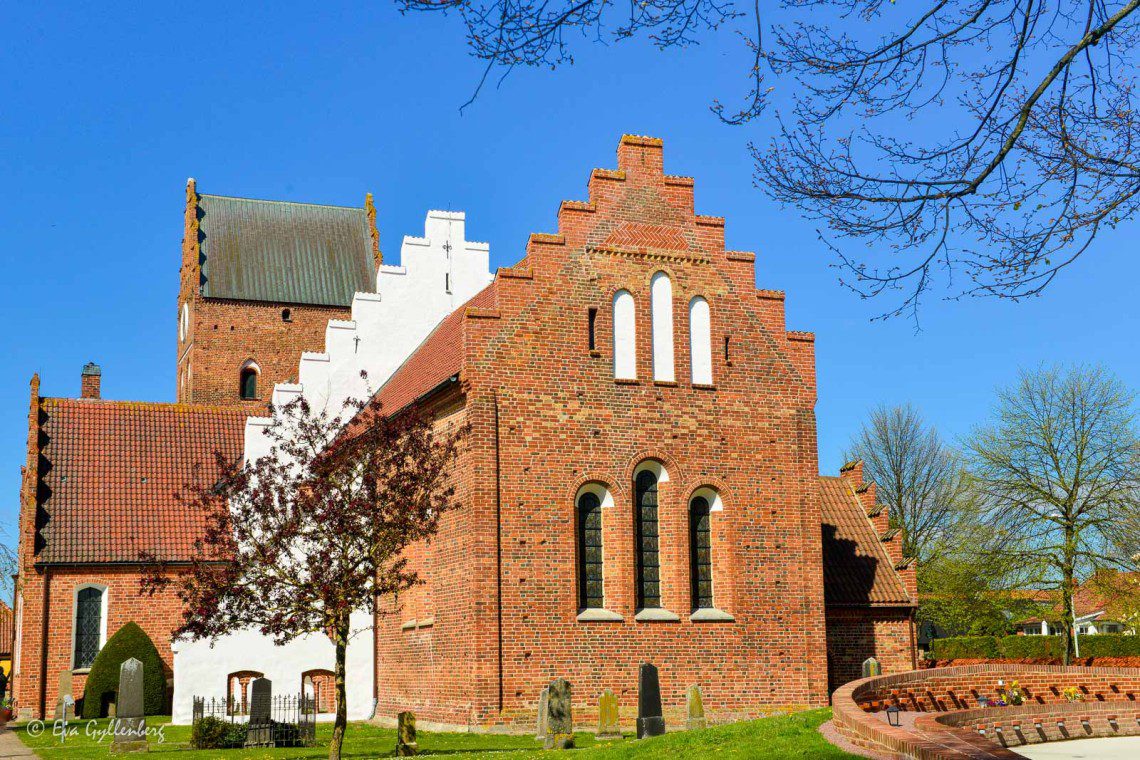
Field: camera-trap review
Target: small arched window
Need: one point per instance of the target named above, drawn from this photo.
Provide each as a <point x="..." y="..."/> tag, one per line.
<point x="590" y="551"/>
<point x="661" y="301"/>
<point x="625" y="336"/>
<point x="700" y="341"/>
<point x="184" y="323"/>
<point x="647" y="549"/>
<point x="90" y="625"/>
<point x="248" y="381"/>
<point x="700" y="547"/>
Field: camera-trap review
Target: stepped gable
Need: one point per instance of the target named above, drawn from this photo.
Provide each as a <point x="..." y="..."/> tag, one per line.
<point x="634" y="211"/>
<point x="109" y="473"/>
<point x="857" y="570"/>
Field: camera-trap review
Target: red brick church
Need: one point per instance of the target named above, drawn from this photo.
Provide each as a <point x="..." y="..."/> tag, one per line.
<point x="640" y="483"/>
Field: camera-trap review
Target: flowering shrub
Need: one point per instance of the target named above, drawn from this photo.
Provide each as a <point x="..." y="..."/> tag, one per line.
<point x="1072" y="694"/>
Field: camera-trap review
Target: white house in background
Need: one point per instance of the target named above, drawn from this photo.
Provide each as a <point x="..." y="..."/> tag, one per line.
<point x="438" y="272"/>
<point x="1097" y="607"/>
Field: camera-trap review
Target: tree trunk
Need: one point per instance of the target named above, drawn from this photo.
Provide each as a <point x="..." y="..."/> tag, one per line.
<point x="1067" y="572"/>
<point x="341" y="723"/>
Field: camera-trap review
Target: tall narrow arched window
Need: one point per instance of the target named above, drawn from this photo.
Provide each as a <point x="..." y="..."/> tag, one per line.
<point x="90" y="625"/>
<point x="648" y="549"/>
<point x="625" y="336"/>
<point x="700" y="548"/>
<point x="700" y="341"/>
<point x="590" y="551"/>
<point x="248" y="381"/>
<point x="661" y="301"/>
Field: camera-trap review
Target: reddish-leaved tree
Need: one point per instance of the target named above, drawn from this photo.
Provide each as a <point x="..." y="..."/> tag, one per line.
<point x="316" y="529"/>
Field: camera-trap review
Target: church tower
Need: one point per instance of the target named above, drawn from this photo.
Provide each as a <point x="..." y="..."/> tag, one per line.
<point x="260" y="281"/>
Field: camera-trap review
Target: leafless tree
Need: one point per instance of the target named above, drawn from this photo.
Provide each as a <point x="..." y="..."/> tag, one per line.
<point x="916" y="475"/>
<point x="1058" y="468"/>
<point x="989" y="139"/>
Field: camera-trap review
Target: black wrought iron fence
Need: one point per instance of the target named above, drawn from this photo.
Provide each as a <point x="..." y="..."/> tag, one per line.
<point x="289" y="721"/>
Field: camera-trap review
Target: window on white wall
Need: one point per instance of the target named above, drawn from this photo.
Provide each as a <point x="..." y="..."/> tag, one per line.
<point x="90" y="629"/>
<point x="625" y="336"/>
<point x="700" y="341"/>
<point x="661" y="302"/>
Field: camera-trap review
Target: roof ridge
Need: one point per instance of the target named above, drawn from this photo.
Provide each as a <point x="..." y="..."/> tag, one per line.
<point x="127" y="403"/>
<point x="284" y="203"/>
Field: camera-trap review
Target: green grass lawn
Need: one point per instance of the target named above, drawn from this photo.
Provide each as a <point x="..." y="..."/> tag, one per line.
<point x="789" y="736"/>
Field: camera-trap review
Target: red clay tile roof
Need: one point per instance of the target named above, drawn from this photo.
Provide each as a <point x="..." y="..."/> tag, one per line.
<point x="856" y="567"/>
<point x="439" y="357"/>
<point x="5" y="630"/>
<point x="110" y="471"/>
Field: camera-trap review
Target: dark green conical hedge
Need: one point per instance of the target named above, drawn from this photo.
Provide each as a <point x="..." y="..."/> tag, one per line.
<point x="103" y="680"/>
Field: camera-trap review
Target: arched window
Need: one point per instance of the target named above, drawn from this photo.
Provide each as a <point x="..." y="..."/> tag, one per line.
<point x="661" y="301"/>
<point x="625" y="336"/>
<point x="648" y="550"/>
<point x="590" y="551"/>
<point x="248" y="386"/>
<point x="700" y="341"/>
<point x="700" y="548"/>
<point x="90" y="625"/>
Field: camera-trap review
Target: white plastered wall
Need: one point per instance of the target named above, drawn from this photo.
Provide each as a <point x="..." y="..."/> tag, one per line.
<point x="201" y="667"/>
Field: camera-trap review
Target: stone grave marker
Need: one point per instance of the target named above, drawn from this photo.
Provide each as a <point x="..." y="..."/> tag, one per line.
<point x="608" y="727"/>
<point x="871" y="667"/>
<point x="559" y="718"/>
<point x="260" y="731"/>
<point x="130" y="723"/>
<point x="65" y="704"/>
<point x="650" y="721"/>
<point x="540" y="730"/>
<point x="696" y="709"/>
<point x="406" y="735"/>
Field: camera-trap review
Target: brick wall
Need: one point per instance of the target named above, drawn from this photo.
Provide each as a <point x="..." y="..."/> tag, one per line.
<point x="854" y="634"/>
<point x="225" y="334"/>
<point x="950" y="696"/>
<point x="157" y="615"/>
<point x="547" y="416"/>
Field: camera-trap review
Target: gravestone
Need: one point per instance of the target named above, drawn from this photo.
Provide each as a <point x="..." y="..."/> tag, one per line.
<point x="608" y="727"/>
<point x="696" y="709"/>
<point x="260" y="731"/>
<point x="650" y="721"/>
<point x="130" y="725"/>
<point x="559" y="719"/>
<point x="65" y="704"/>
<point x="406" y="735"/>
<point x="540" y="730"/>
<point x="871" y="667"/>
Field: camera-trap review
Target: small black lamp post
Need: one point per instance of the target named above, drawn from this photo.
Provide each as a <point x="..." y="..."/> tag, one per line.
<point x="893" y="715"/>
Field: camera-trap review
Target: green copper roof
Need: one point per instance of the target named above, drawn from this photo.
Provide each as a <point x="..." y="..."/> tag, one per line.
<point x="283" y="252"/>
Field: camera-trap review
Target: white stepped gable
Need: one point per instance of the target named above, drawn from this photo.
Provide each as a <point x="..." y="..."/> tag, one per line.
<point x="438" y="272"/>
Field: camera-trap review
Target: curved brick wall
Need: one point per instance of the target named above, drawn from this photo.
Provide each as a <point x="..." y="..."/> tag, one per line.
<point x="955" y="727"/>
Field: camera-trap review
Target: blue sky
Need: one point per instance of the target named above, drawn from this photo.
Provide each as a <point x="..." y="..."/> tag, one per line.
<point x="105" y="111"/>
